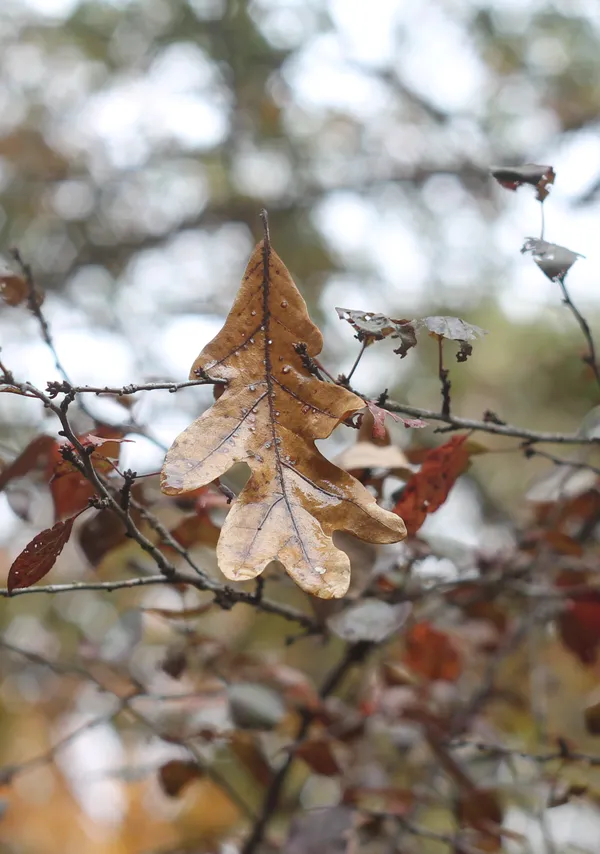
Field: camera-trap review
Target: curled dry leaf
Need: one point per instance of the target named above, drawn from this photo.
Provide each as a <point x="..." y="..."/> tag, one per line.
<point x="513" y="177"/>
<point x="372" y="327"/>
<point x="39" y="556"/>
<point x="380" y="434"/>
<point x="175" y="775"/>
<point x="553" y="260"/>
<point x="269" y="415"/>
<point x="13" y="284"/>
<point x="427" y="490"/>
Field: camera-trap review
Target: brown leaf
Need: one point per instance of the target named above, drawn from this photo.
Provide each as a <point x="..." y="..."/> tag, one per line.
<point x="272" y="410"/>
<point x="100" y="534"/>
<point x="176" y="774"/>
<point x="592" y="719"/>
<point x="389" y="799"/>
<point x="34" y="455"/>
<point x="365" y="455"/>
<point x="70" y="489"/>
<point x="39" y="556"/>
<point x="480" y="809"/>
<point x="196" y="530"/>
<point x="430" y="654"/>
<point x="318" y="753"/>
<point x="579" y="624"/>
<point x="13" y="285"/>
<point x="427" y="490"/>
<point x="245" y="747"/>
<point x="513" y="177"/>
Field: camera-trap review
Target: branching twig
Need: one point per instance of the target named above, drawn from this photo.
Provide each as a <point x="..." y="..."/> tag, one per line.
<point x="354" y="654"/>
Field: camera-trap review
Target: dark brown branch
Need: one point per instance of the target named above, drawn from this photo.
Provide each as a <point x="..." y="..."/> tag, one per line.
<point x="354" y="655"/>
<point x="591" y="358"/>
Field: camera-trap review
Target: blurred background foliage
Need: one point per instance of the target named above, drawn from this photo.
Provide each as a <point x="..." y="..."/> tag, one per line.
<point x="138" y="142"/>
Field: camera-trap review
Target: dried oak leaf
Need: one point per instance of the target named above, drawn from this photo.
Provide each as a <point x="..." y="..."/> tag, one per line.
<point x="428" y="488"/>
<point x="269" y="415"/>
<point x="372" y="327"/>
<point x="39" y="556"/>
<point x="513" y="177"/>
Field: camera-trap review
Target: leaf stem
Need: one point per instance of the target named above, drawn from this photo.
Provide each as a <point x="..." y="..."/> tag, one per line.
<point x="357" y="360"/>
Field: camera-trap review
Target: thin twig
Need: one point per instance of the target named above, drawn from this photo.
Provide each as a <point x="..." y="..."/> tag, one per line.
<point x="443" y="375"/>
<point x="591" y="358"/>
<point x="357" y="361"/>
<point x="55" y="388"/>
<point x="487" y="426"/>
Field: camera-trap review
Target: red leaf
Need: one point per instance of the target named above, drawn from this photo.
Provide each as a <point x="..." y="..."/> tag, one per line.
<point x="319" y="755"/>
<point x="379" y="431"/>
<point x="430" y="654"/>
<point x="70" y="489"/>
<point x="427" y="490"/>
<point x="579" y="627"/>
<point x="36" y="452"/>
<point x="39" y="556"/>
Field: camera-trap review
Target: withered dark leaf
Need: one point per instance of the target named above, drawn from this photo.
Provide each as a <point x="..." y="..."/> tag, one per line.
<point x="269" y="416"/>
<point x="33" y="456"/>
<point x="319" y="754"/>
<point x="372" y="327"/>
<point x="591" y="716"/>
<point x="513" y="177"/>
<point x="39" y="556"/>
<point x="553" y="260"/>
<point x="13" y="284"/>
<point x="175" y="775"/>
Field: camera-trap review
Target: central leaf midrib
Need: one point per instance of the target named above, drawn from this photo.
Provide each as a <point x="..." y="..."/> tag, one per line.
<point x="269" y="378"/>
